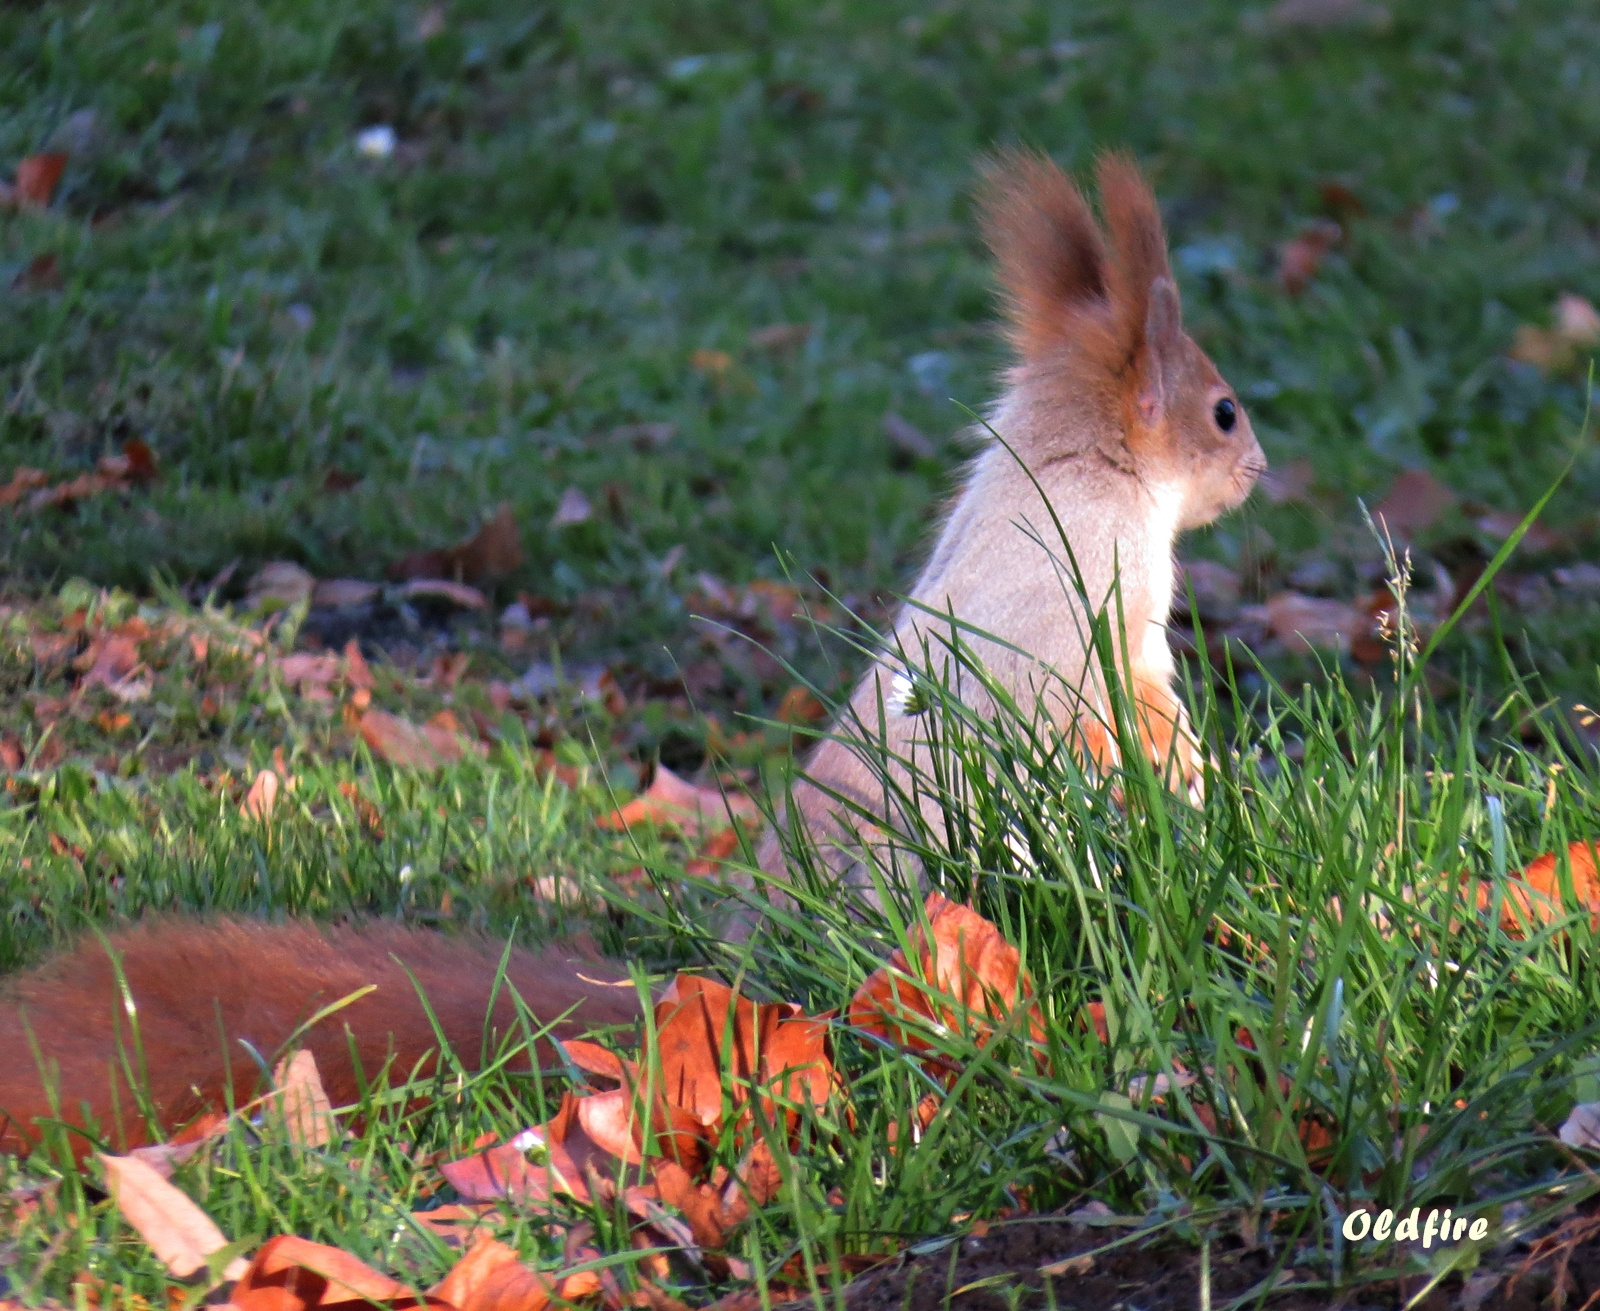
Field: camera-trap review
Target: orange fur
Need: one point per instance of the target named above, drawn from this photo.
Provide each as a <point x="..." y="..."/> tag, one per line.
<point x="201" y="986"/>
<point x="1070" y="299"/>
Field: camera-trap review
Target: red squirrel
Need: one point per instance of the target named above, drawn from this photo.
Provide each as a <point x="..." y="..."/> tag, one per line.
<point x="1132" y="435"/>
<point x="1119" y="419"/>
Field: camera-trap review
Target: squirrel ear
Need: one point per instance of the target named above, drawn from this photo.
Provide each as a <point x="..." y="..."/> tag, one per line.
<point x="1050" y="254"/>
<point x="1163" y="348"/>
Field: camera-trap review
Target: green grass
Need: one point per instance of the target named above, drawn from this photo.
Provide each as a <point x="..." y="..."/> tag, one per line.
<point x="585" y="196"/>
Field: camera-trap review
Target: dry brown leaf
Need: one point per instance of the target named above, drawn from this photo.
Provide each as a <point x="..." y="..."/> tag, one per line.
<point x="294" y="1274"/>
<point x="1415" y="501"/>
<point x="163" y="1158"/>
<point x="23" y="481"/>
<point x="776" y="1050"/>
<point x="492" y="552"/>
<point x="780" y="336"/>
<point x="800" y="707"/>
<point x="1500" y="524"/>
<point x="492" y="1172"/>
<point x="37" y="176"/>
<point x="261" y="798"/>
<point x="180" y="1234"/>
<point x="490" y="1278"/>
<point x="574" y="509"/>
<point x="673" y="802"/>
<point x="967" y="978"/>
<point x="443" y="589"/>
<point x="307" y="1112"/>
<point x="411" y="746"/>
<point x="1581" y="1128"/>
<point x="712" y="363"/>
<point x="335" y="592"/>
<point x="1557" y="348"/>
<point x="1301" y="257"/>
<point x="12" y="754"/>
<point x="1303" y="623"/>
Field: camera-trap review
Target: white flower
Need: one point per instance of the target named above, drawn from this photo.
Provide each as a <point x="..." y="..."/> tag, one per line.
<point x="375" y="142"/>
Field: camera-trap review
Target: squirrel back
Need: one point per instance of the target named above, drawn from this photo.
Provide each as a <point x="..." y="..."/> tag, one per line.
<point x="1122" y="423"/>
<point x="197" y="987"/>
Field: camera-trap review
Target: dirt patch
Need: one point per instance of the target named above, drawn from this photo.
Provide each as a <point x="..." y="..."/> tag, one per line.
<point x="1001" y="1271"/>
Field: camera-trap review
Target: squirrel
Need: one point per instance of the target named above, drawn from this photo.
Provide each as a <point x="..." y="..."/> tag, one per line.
<point x="1132" y="436"/>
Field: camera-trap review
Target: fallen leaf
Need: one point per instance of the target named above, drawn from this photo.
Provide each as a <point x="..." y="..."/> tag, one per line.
<point x="1300" y="257"/>
<point x="443" y="589"/>
<point x="491" y="1278"/>
<point x="279" y="585"/>
<point x="180" y="1234"/>
<point x="1500" y="524"/>
<point x="592" y="1058"/>
<point x="773" y="1050"/>
<point x="1533" y="898"/>
<point x="332" y="593"/>
<point x="494" y="551"/>
<point x="713" y="853"/>
<point x="780" y="336"/>
<point x="965" y="976"/>
<point x="712" y="363"/>
<point x="37" y="176"/>
<point x="1581" y="1128"/>
<point x="673" y="802"/>
<point x="1557" y="348"/>
<point x="294" y="1274"/>
<point x="574" y="509"/>
<point x="112" y="661"/>
<point x="800" y="707"/>
<point x="1415" y="501"/>
<point x="11" y="753"/>
<point x="23" y="481"/>
<point x="165" y="1157"/>
<point x="411" y="746"/>
<point x="357" y="673"/>
<point x="261" y="798"/>
<point x="1303" y="623"/>
<point x="504" y="1171"/>
<point x="307" y="1112"/>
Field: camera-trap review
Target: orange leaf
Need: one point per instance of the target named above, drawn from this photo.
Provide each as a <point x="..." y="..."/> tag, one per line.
<point x="180" y="1234"/>
<point x="307" y="1112"/>
<point x="775" y="1047"/>
<point x="490" y="1278"/>
<point x="262" y="797"/>
<point x="1533" y="898"/>
<point x="966" y="979"/>
<point x="673" y="802"/>
<point x="37" y="176"/>
<point x="400" y="742"/>
<point x="294" y="1274"/>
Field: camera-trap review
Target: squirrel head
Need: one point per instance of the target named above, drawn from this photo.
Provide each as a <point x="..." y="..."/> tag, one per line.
<point x="1095" y="320"/>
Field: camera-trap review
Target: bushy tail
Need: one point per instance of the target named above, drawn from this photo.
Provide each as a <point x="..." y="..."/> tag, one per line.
<point x="198" y="987"/>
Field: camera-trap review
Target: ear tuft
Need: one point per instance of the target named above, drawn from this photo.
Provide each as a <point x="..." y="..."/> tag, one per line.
<point x="1133" y="221"/>
<point x="1051" y="257"/>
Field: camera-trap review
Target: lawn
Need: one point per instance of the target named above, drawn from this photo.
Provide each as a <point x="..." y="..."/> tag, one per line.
<point x="649" y="325"/>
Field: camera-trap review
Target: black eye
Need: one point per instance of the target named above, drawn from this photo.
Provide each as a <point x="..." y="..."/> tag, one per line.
<point x="1226" y="413"/>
